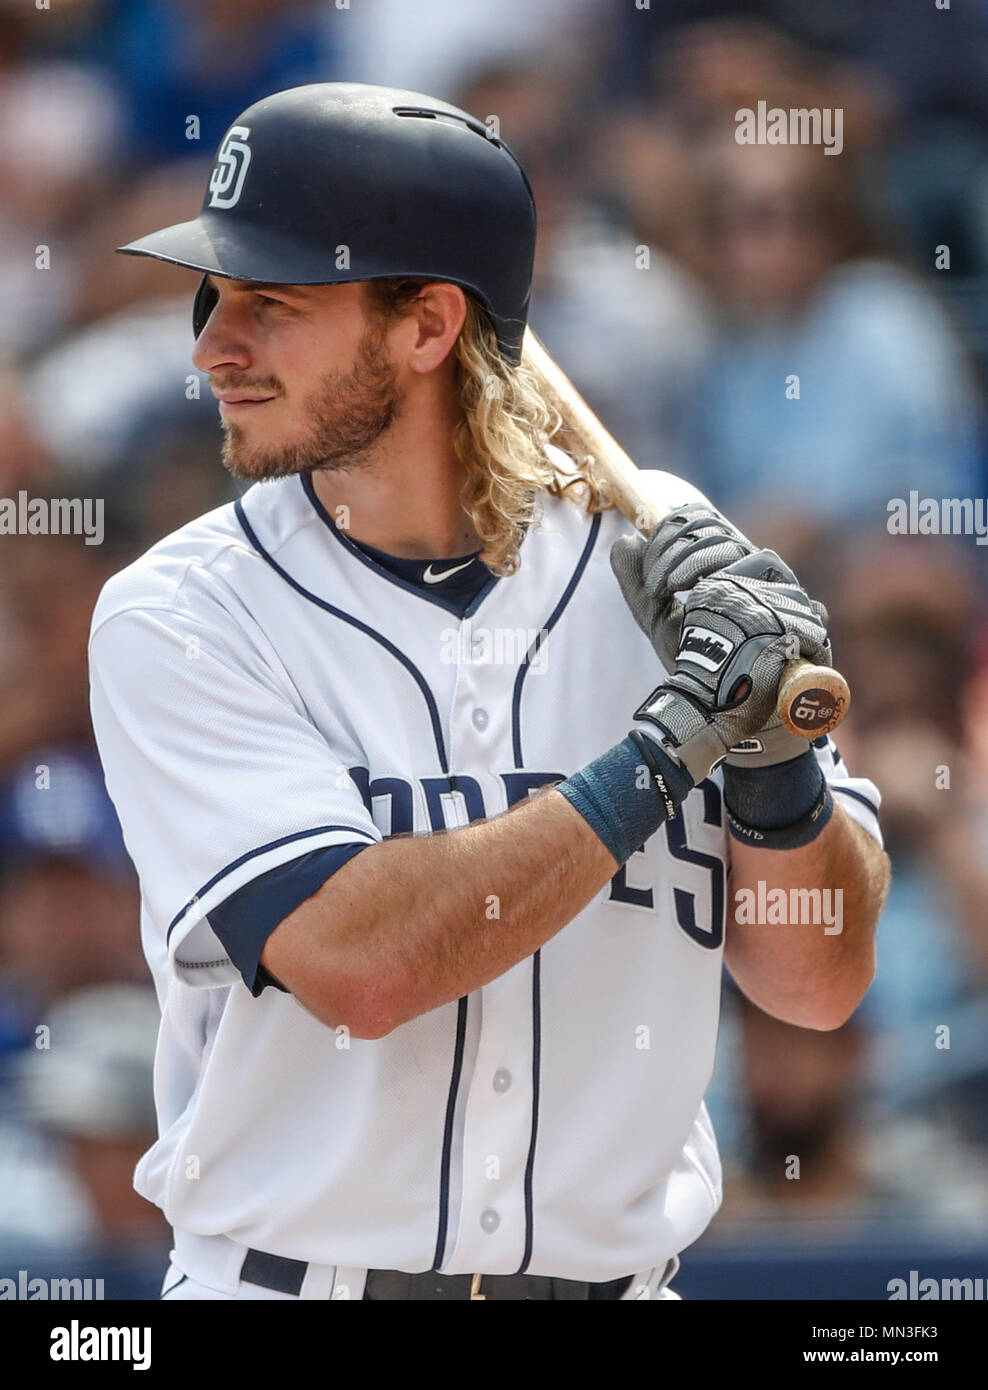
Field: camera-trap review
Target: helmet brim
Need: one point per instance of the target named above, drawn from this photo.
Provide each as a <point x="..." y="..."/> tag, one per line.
<point x="235" y="251"/>
<point x="238" y="251"/>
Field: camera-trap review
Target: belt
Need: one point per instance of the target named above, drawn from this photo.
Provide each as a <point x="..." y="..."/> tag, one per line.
<point x="286" y="1276"/>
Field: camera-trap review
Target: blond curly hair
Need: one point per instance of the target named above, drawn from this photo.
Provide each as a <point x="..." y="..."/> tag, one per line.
<point x="501" y="439"/>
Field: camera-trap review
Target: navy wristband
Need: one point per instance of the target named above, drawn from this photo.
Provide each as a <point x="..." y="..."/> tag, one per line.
<point x="610" y="796"/>
<point x="782" y="806"/>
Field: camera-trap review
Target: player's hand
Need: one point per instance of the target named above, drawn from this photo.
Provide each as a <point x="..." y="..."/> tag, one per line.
<point x="692" y="543"/>
<point x="739" y="629"/>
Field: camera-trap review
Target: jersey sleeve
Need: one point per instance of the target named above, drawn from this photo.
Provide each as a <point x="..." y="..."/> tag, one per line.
<point x="218" y="777"/>
<point x="859" y="797"/>
<point x="245" y="920"/>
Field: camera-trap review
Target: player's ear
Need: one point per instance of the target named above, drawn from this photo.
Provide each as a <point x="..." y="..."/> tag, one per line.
<point x="436" y="314"/>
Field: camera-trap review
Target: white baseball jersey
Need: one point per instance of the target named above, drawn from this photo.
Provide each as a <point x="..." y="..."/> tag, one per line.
<point x="264" y="693"/>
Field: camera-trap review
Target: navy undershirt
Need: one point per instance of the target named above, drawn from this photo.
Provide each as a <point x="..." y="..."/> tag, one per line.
<point x="247" y="918"/>
<point x="467" y="575"/>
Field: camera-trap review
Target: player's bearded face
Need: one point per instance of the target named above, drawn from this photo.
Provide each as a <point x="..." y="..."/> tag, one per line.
<point x="335" y="426"/>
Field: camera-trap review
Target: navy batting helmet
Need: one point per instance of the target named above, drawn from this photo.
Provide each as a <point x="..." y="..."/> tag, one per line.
<point x="340" y="181"/>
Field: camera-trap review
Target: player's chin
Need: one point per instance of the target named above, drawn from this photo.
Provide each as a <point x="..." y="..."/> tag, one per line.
<point x="250" y="461"/>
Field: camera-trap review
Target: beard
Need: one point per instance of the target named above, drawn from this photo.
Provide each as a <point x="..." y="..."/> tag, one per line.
<point x="343" y="419"/>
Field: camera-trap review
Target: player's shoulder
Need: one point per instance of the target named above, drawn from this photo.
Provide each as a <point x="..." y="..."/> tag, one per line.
<point x="172" y="572"/>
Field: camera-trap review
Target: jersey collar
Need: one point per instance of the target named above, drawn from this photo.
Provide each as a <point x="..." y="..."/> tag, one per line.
<point x="428" y="596"/>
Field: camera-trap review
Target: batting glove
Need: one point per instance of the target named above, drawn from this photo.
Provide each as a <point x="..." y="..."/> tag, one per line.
<point x="690" y="544"/>
<point x="738" y="630"/>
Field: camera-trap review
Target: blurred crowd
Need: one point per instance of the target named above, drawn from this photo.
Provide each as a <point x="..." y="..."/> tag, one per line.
<point x="779" y="325"/>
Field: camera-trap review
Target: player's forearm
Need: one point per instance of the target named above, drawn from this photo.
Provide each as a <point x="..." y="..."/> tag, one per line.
<point x="812" y="971"/>
<point x="417" y="921"/>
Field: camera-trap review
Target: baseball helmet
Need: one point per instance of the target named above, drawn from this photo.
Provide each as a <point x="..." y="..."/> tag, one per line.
<point x="341" y="181"/>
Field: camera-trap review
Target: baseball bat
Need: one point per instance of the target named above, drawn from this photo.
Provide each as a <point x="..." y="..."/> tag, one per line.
<point x="812" y="699"/>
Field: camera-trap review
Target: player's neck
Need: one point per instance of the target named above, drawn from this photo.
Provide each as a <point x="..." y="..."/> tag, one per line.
<point x="405" y="501"/>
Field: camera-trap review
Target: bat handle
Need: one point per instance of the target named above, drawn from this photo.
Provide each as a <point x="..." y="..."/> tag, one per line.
<point x="812" y="699"/>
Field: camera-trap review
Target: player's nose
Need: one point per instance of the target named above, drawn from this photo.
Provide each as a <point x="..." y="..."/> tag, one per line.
<point x="223" y="341"/>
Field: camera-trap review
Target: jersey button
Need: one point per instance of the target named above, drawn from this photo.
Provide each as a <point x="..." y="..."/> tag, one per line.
<point x="480" y="719"/>
<point x="489" y="1220"/>
<point x="502" y="1080"/>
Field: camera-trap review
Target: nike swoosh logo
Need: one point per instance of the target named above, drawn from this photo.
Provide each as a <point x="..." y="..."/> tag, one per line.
<point x="431" y="578"/>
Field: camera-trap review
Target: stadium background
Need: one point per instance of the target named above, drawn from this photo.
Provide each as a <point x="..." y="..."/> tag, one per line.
<point x="680" y="279"/>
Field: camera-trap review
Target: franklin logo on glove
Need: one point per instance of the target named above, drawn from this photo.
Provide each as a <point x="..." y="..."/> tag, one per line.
<point x="708" y="649"/>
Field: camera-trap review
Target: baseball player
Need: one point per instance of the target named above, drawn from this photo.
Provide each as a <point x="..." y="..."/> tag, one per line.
<point x="438" y="823"/>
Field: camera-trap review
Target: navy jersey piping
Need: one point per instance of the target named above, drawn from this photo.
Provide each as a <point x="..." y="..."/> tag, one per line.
<point x="554" y="617"/>
<point x="430" y="699"/>
<point x="454" y="1086"/>
<point x="858" y="796"/>
<point x="536" y="1083"/>
<point x="252" y="854"/>
<point x="389" y="646"/>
